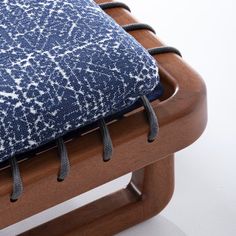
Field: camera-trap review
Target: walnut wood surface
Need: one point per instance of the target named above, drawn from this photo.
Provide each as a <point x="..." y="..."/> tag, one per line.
<point x="182" y="116"/>
<point x="120" y="210"/>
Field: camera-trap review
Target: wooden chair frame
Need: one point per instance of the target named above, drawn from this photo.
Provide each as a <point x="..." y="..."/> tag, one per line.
<point x="182" y="114"/>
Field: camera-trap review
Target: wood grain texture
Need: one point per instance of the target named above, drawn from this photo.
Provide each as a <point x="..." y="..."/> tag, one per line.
<point x="120" y="210"/>
<point x="182" y="114"/>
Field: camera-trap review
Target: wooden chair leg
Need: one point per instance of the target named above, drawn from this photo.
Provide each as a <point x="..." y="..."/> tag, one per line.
<point x="148" y="192"/>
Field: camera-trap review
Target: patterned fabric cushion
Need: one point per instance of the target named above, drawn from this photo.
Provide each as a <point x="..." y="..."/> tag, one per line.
<point x="63" y="64"/>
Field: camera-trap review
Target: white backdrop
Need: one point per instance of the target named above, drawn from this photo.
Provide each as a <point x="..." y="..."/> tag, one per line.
<point x="204" y="202"/>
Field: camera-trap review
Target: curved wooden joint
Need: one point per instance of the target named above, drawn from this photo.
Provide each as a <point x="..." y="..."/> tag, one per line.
<point x="182" y="115"/>
<point x="155" y="183"/>
<point x="148" y="192"/>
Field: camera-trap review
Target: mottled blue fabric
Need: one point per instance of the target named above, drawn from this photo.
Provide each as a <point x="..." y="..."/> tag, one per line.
<point x="64" y="64"/>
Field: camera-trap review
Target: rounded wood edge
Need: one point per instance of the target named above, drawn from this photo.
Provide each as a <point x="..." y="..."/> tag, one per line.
<point x="183" y="115"/>
<point x="120" y="210"/>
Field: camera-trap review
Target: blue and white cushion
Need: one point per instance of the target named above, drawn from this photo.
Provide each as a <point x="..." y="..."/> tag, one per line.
<point x="64" y="64"/>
